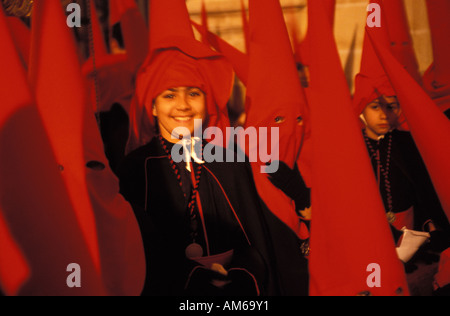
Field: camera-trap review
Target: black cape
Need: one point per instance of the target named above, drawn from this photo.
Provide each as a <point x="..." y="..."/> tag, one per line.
<point x="410" y="181"/>
<point x="235" y="216"/>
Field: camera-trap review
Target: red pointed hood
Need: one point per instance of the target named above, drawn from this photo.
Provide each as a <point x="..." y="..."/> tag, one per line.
<point x="134" y="30"/>
<point x="274" y="94"/>
<point x="275" y="101"/>
<point x="430" y="128"/>
<point x="169" y="21"/>
<point x="370" y="65"/>
<point x="177" y="59"/>
<point x="14" y="268"/>
<point x="372" y="81"/>
<point x="205" y="27"/>
<point x="301" y="49"/>
<point x="48" y="59"/>
<point x="302" y="56"/>
<point x="238" y="59"/>
<point x="349" y="230"/>
<point x="70" y="123"/>
<point x="437" y="78"/>
<point x="330" y="10"/>
<point x="43" y="224"/>
<point x="399" y="35"/>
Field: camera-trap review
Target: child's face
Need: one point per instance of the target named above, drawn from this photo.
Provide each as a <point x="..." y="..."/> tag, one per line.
<point x="381" y="116"/>
<point x="179" y="107"/>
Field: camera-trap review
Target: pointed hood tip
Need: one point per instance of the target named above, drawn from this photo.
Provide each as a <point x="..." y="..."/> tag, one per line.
<point x="237" y="58"/>
<point x="165" y="28"/>
<point x="270" y="45"/>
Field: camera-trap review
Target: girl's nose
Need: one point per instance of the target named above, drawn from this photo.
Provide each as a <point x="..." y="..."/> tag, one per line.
<point x="183" y="103"/>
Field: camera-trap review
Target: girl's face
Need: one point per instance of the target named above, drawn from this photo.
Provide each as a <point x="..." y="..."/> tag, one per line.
<point x="380" y="116"/>
<point x="179" y="107"/>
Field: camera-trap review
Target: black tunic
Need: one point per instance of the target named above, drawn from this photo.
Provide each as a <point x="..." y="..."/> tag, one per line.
<point x="235" y="217"/>
<point x="411" y="185"/>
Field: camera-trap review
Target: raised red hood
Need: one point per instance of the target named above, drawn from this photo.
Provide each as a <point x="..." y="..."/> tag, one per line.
<point x="275" y="99"/>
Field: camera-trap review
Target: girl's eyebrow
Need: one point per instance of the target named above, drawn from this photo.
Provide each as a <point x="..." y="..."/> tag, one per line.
<point x="187" y="88"/>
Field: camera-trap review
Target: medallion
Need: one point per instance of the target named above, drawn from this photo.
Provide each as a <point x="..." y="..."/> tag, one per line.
<point x="194" y="251"/>
<point x="391" y="217"/>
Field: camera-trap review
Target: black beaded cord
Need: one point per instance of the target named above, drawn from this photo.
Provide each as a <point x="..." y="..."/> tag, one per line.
<point x="192" y="200"/>
<point x="384" y="170"/>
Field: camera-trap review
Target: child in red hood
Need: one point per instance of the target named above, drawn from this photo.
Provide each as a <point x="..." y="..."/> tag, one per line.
<point x="203" y="223"/>
<point x="205" y="229"/>
<point x="405" y="186"/>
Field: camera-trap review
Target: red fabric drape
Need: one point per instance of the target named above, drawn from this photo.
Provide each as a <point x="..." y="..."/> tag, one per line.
<point x="349" y="230"/>
<point x="107" y="223"/>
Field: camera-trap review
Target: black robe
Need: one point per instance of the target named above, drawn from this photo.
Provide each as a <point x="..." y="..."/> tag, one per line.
<point x="410" y="182"/>
<point x="235" y="216"/>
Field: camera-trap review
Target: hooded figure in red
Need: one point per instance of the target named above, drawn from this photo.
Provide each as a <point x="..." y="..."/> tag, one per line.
<point x="275" y="102"/>
<point x="202" y="68"/>
<point x="204" y="227"/>
<point x="110" y="77"/>
<point x="15" y="269"/>
<point x="372" y="81"/>
<point x="42" y="211"/>
<point x="426" y="122"/>
<point x="429" y="127"/>
<point x="92" y="189"/>
<point x="374" y="88"/>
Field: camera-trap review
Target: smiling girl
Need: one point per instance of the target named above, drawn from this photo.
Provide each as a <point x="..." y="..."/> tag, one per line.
<point x="204" y="226"/>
